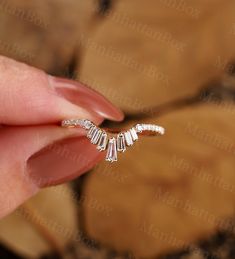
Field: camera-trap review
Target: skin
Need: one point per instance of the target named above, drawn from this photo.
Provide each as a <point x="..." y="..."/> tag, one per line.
<point x="34" y="150"/>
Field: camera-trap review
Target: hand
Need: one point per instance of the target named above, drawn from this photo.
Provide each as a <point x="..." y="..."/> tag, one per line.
<point x="34" y="151"/>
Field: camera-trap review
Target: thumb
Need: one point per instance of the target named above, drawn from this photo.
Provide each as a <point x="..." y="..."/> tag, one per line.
<point x="30" y="96"/>
<point x="33" y="157"/>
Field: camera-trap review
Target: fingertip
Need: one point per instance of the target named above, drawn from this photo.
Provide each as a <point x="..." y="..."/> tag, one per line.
<point x="63" y="161"/>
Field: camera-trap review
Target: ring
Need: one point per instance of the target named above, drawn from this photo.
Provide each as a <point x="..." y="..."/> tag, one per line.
<point x="113" y="143"/>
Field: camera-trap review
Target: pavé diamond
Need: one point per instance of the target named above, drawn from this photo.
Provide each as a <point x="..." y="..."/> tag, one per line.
<point x="64" y="123"/>
<point x="161" y="130"/>
<point x="87" y="124"/>
<point x="139" y="128"/>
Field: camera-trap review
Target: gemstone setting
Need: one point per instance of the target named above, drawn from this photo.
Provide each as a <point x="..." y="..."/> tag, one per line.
<point x="121" y="146"/>
<point x="111" y="155"/>
<point x="91" y="131"/>
<point x="102" y="144"/>
<point x="113" y="144"/>
<point x="96" y="136"/>
<point x="128" y="138"/>
<point x="139" y="128"/>
<point x="134" y="134"/>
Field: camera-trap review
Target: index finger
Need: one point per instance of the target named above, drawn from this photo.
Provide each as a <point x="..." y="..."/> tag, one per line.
<point x="30" y="96"/>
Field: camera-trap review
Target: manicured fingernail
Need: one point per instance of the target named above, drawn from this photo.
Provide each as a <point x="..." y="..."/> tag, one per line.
<point x="86" y="98"/>
<point x="62" y="161"/>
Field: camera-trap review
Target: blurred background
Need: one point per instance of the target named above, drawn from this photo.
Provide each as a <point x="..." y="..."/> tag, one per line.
<point x="171" y="62"/>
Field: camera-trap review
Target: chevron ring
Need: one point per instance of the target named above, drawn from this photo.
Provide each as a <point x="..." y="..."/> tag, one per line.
<point x="113" y="144"/>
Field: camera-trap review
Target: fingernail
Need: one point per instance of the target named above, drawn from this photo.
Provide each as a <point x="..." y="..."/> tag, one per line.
<point x="86" y="98"/>
<point x="62" y="161"/>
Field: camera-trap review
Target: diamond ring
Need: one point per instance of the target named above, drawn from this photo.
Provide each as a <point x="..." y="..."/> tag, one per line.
<point x="113" y="144"/>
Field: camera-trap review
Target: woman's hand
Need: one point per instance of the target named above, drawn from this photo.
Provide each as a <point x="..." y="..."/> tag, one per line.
<point x="34" y="151"/>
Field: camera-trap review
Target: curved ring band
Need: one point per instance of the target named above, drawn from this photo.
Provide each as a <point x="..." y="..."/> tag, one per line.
<point x="113" y="144"/>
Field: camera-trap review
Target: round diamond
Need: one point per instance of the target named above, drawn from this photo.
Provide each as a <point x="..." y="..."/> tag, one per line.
<point x="87" y="124"/>
<point x="139" y="128"/>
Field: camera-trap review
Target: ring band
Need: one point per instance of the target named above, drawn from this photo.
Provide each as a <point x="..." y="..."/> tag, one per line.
<point x="113" y="144"/>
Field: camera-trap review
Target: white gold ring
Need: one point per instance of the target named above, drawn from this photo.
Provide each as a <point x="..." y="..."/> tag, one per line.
<point x="113" y="143"/>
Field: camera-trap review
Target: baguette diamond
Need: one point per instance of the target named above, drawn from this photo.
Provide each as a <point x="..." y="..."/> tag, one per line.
<point x="128" y="138"/>
<point x="111" y="155"/>
<point x="102" y="141"/>
<point x="96" y="135"/>
<point x="134" y="134"/>
<point x="121" y="146"/>
<point x="91" y="131"/>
